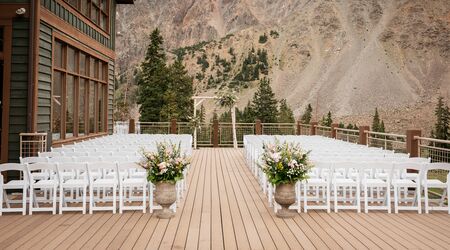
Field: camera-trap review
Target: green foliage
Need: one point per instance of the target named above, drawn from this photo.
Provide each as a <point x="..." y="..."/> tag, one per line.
<point x="327" y="121"/>
<point x="341" y="125"/>
<point x="177" y="99"/>
<point x="264" y="103"/>
<point x="441" y="128"/>
<point x="307" y="116"/>
<point x="253" y="65"/>
<point x="377" y="123"/>
<point x="153" y="83"/>
<point x="274" y="34"/>
<point x="202" y="114"/>
<point x="203" y="61"/>
<point x="181" y="52"/>
<point x="263" y="38"/>
<point x="164" y="91"/>
<point x="285" y="115"/>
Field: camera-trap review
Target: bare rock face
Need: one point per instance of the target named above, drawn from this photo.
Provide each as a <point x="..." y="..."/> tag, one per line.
<point x="346" y="56"/>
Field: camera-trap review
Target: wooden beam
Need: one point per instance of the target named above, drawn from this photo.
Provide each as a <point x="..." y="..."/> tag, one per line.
<point x="74" y="36"/>
<point x="8" y="10"/>
<point x="7" y="45"/>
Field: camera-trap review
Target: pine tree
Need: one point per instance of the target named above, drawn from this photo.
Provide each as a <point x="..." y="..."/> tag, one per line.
<point x="248" y="115"/>
<point x="306" y="117"/>
<point x="153" y="81"/>
<point x="350" y="126"/>
<point x="328" y="120"/>
<point x="285" y="114"/>
<point x="341" y="125"/>
<point x="264" y="103"/>
<point x="376" y="123"/>
<point x="441" y="128"/>
<point x="177" y="99"/>
<point x="382" y="128"/>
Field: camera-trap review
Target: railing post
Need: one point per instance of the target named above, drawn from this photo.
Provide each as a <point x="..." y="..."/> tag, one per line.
<point x="412" y="144"/>
<point x="362" y="135"/>
<point x="333" y="130"/>
<point x="299" y="128"/>
<point x="313" y="128"/>
<point x="131" y="127"/>
<point x="215" y="139"/>
<point x="258" y="127"/>
<point x="173" y="126"/>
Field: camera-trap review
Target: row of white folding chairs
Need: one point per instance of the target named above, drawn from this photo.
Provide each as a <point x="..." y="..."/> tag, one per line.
<point x="362" y="179"/>
<point x="75" y="178"/>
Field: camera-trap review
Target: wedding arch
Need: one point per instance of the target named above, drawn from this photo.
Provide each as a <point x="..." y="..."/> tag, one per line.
<point x="224" y="100"/>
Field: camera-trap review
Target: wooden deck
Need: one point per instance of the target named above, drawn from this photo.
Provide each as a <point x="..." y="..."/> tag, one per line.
<point x="224" y="208"/>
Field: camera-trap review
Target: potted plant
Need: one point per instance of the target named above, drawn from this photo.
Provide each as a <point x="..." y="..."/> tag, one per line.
<point x="164" y="168"/>
<point x="284" y="165"/>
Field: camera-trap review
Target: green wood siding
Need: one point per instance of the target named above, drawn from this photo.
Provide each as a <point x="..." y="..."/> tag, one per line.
<point x="45" y="78"/>
<point x="19" y="86"/>
<point x="110" y="96"/>
<point x="14" y="1"/>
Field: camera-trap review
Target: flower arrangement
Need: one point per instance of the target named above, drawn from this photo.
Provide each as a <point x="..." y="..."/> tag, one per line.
<point x="285" y="163"/>
<point x="195" y="122"/>
<point x="164" y="165"/>
<point x="226" y="98"/>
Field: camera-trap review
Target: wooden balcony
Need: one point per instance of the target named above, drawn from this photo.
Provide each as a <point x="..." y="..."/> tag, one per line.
<point x="224" y="208"/>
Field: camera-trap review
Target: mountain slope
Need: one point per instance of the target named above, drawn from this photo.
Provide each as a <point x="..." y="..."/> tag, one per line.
<point x="347" y="56"/>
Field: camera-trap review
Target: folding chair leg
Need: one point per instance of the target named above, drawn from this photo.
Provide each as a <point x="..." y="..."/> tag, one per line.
<point x="61" y="196"/>
<point x="54" y="200"/>
<point x="358" y="197"/>
<point x="419" y="199"/>
<point x="151" y="197"/>
<point x="1" y="202"/>
<point x="396" y="199"/>
<point x="335" y="199"/>
<point x="120" y="199"/>
<point x="144" y="194"/>
<point x="388" y="198"/>
<point x="427" y="210"/>
<point x="24" y="201"/>
<point x="5" y="196"/>
<point x="366" y="200"/>
<point x="31" y="200"/>
<point x="305" y="198"/>
<point x="114" y="199"/>
<point x="328" y="190"/>
<point x="91" y="200"/>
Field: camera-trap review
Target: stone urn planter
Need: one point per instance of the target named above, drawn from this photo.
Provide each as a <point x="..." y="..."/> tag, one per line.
<point x="165" y="196"/>
<point x="285" y="196"/>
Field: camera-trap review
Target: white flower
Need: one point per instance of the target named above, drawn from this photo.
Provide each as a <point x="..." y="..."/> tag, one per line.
<point x="276" y="157"/>
<point x="293" y="163"/>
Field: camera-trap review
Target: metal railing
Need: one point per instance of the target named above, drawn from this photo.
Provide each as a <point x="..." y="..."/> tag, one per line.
<point x="121" y="127"/>
<point x="278" y="128"/>
<point x="348" y="135"/>
<point x="438" y="151"/>
<point x="305" y="129"/>
<point x="386" y="141"/>
<point x="32" y="143"/>
<point x="153" y="127"/>
<point x="226" y="133"/>
<point x="323" y="131"/>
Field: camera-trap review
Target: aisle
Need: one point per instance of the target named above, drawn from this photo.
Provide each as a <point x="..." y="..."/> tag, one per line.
<point x="224" y="208"/>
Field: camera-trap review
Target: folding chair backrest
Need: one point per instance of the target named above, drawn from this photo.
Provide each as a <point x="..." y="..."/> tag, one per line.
<point x="33" y="159"/>
<point x="49" y="154"/>
<point x="87" y="159"/>
<point x="346" y="167"/>
<point x="402" y="167"/>
<point x="129" y="165"/>
<point x="78" y="154"/>
<point x="76" y="167"/>
<point x="14" y="167"/>
<point x="102" y="167"/>
<point x="438" y="170"/>
<point x="378" y="167"/>
<point x="43" y="167"/>
<point x="61" y="159"/>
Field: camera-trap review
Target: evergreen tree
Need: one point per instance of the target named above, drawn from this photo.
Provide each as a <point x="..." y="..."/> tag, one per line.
<point x="285" y="115"/>
<point x="376" y="123"/>
<point x="350" y="126"/>
<point x="355" y="127"/>
<point x="306" y="117"/>
<point x="177" y="99"/>
<point x="153" y="81"/>
<point x="264" y="103"/>
<point x="327" y="121"/>
<point x="248" y="114"/>
<point x="382" y="128"/>
<point x="341" y="125"/>
<point x="442" y="126"/>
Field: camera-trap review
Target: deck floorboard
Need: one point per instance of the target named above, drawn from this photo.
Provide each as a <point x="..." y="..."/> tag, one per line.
<point x="224" y="208"/>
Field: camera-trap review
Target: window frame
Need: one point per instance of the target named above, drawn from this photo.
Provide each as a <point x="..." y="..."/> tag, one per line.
<point x="100" y="12"/>
<point x="65" y="72"/>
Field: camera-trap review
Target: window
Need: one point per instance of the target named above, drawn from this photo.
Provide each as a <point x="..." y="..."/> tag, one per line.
<point x="78" y="93"/>
<point x="95" y="10"/>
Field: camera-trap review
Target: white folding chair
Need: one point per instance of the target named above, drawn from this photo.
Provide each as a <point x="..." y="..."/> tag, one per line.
<point x="319" y="186"/>
<point x="434" y="178"/>
<point x="131" y="184"/>
<point x="78" y="181"/>
<point x="49" y="154"/>
<point x="38" y="175"/>
<point x="43" y="185"/>
<point x="400" y="181"/>
<point x="371" y="181"/>
<point x="107" y="185"/>
<point x="341" y="183"/>
<point x="12" y="185"/>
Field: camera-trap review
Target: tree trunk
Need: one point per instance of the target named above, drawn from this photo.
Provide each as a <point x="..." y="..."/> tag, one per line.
<point x="233" y="121"/>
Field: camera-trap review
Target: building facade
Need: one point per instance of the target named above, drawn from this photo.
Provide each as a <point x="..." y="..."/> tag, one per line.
<point x="56" y="69"/>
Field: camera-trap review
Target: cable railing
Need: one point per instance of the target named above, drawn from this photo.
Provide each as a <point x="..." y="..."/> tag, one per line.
<point x="323" y="131"/>
<point x="153" y="127"/>
<point x="386" y="141"/>
<point x="438" y="151"/>
<point x="348" y="135"/>
<point x="305" y="129"/>
<point x="226" y="133"/>
<point x="278" y="128"/>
